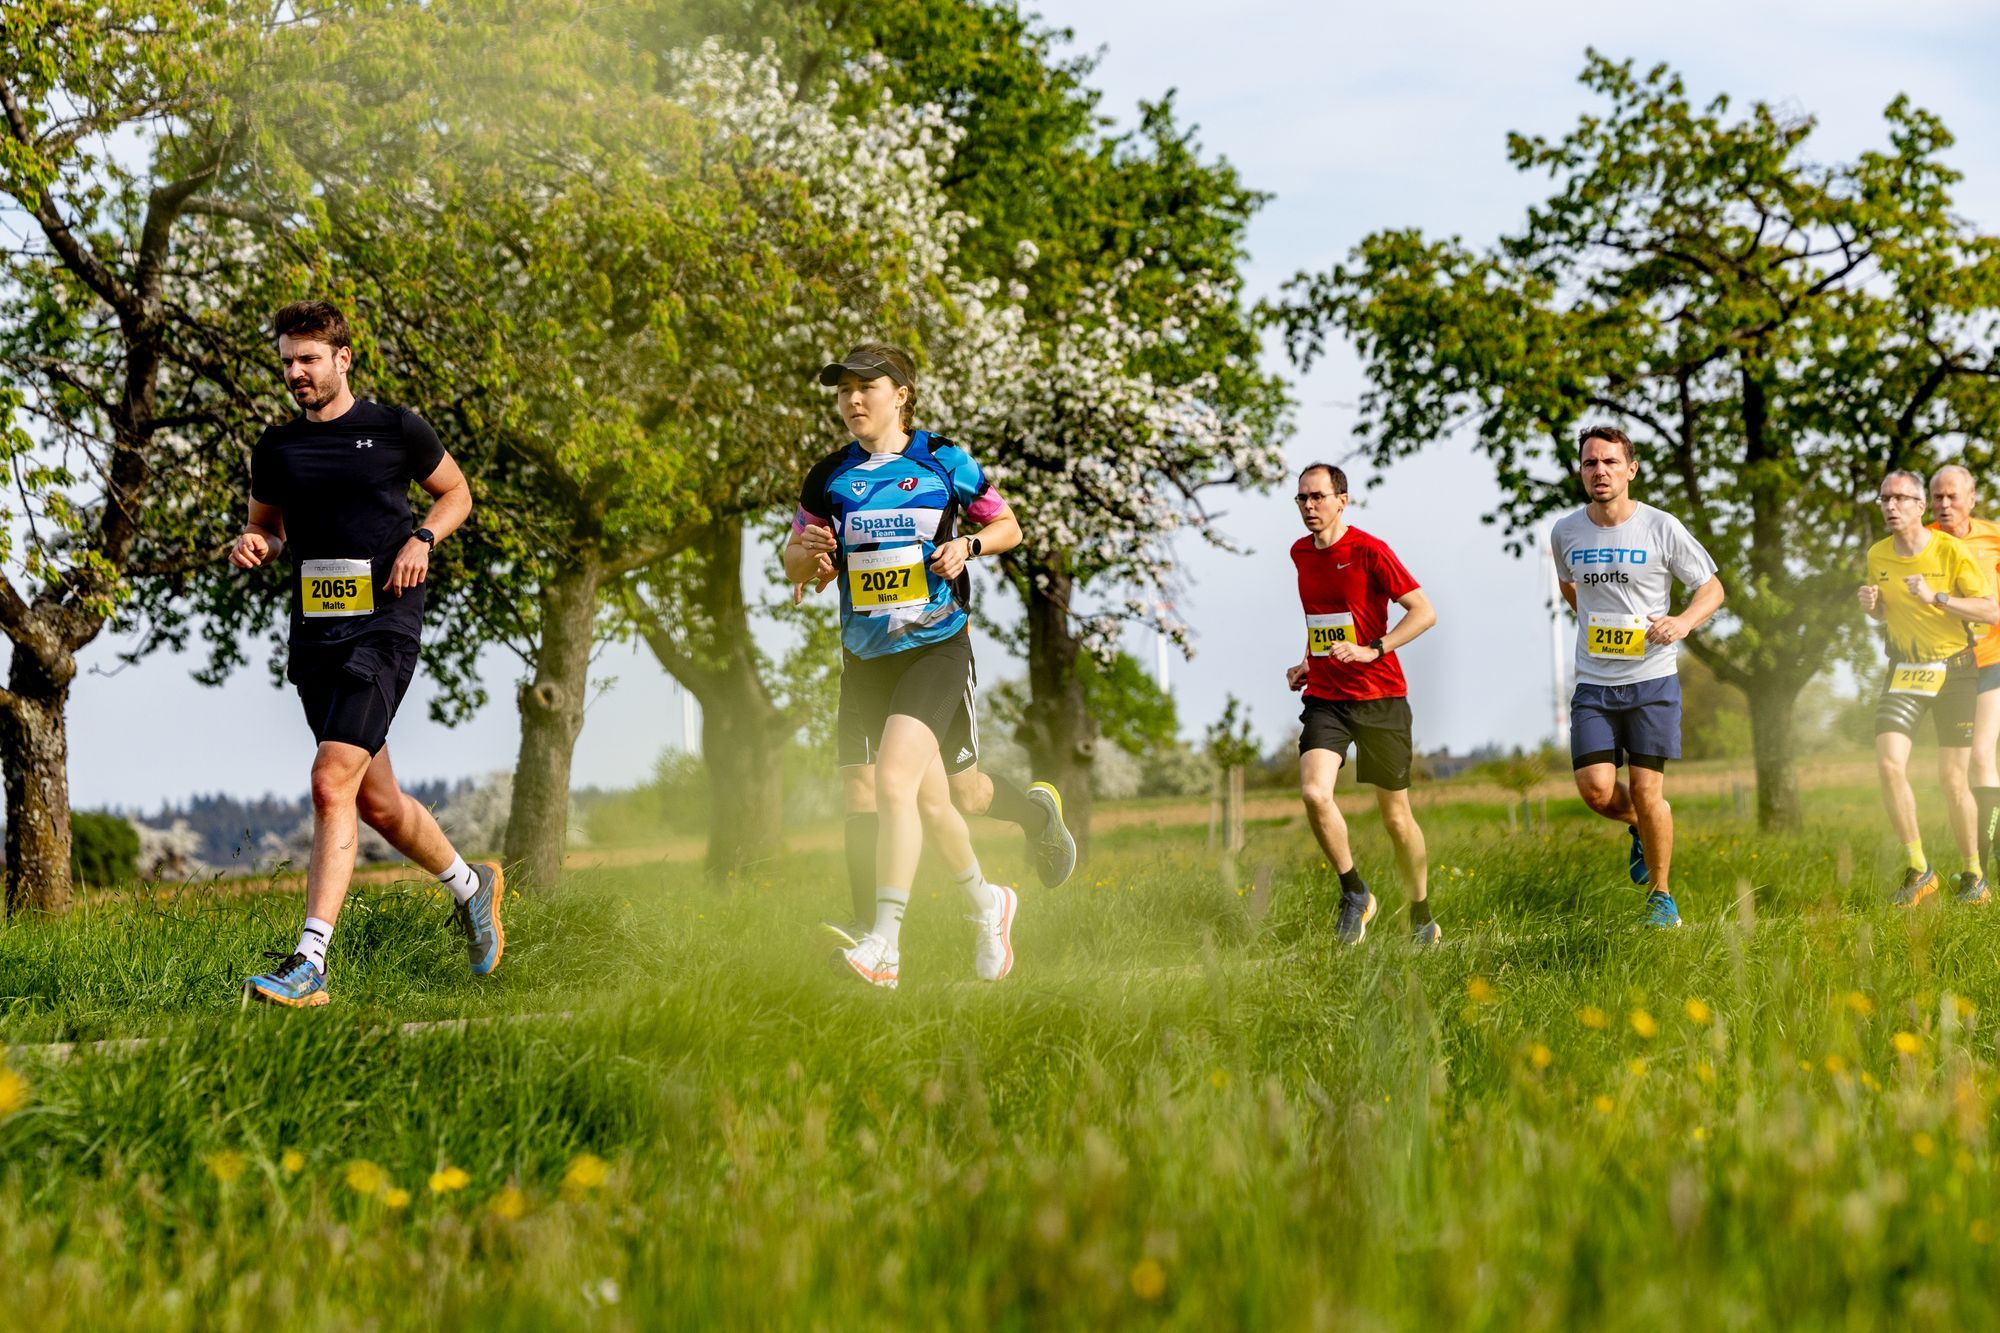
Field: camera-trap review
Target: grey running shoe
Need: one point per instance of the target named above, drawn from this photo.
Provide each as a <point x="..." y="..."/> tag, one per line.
<point x="1427" y="935"/>
<point x="1054" y="850"/>
<point x="1917" y="885"/>
<point x="1972" y="888"/>
<point x="479" y="918"/>
<point x="1356" y="911"/>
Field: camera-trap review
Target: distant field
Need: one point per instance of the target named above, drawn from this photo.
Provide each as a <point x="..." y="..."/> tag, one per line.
<point x="1186" y="1108"/>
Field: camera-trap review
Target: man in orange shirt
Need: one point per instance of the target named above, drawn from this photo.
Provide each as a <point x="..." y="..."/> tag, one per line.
<point x="1952" y="499"/>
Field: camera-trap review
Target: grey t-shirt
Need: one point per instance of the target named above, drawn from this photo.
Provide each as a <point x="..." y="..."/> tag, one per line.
<point x="1623" y="575"/>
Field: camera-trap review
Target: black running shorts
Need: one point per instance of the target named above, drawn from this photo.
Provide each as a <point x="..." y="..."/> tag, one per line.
<point x="1379" y="730"/>
<point x="1950" y="703"/>
<point x="351" y="689"/>
<point x="932" y="684"/>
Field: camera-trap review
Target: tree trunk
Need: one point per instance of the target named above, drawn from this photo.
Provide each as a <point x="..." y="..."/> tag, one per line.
<point x="551" y="717"/>
<point x="1773" y="707"/>
<point x="1059" y="731"/>
<point x="34" y="753"/>
<point x="712" y="653"/>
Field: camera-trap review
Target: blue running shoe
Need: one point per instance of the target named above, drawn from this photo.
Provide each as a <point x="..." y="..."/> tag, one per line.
<point x="1635" y="865"/>
<point x="1972" y="888"/>
<point x="479" y="917"/>
<point x="294" y="983"/>
<point x="1917" y="885"/>
<point x="1661" y="912"/>
<point x="1356" y="911"/>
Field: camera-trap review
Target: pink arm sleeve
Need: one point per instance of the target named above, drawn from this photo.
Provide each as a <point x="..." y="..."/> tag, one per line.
<point x="987" y="507"/>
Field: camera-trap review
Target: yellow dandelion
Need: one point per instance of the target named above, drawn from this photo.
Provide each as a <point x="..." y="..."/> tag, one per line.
<point x="1835" y="1064"/>
<point x="225" y="1165"/>
<point x="396" y="1200"/>
<point x="1698" y="1011"/>
<point x="1870" y="1082"/>
<point x="1906" y="1043"/>
<point x="1981" y="1231"/>
<point x="449" y="1181"/>
<point x="13" y="1091"/>
<point x="1480" y="991"/>
<point x="1643" y="1024"/>
<point x="1540" y="1056"/>
<point x="1593" y="1017"/>
<point x="1637" y="1068"/>
<point x="586" y="1171"/>
<point x="1965" y="1007"/>
<point x="291" y="1161"/>
<point x="1602" y="1104"/>
<point x="1705" y="1072"/>
<point x="1701" y="1133"/>
<point x="1859" y="1003"/>
<point x="364" y="1177"/>
<point x="1149" y="1280"/>
<point x="509" y="1204"/>
<point x="1218" y="1079"/>
<point x="1923" y="1143"/>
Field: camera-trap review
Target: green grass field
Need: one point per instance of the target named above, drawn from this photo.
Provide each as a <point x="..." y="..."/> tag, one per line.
<point x="1187" y="1107"/>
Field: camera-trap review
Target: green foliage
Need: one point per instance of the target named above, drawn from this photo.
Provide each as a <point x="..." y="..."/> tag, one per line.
<point x="1134" y="712"/>
<point x="1228" y="741"/>
<point x="1774" y="331"/>
<point x="103" y="849"/>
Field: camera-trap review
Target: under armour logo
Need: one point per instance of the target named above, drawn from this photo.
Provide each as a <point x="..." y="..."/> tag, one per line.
<point x="364" y="444"/>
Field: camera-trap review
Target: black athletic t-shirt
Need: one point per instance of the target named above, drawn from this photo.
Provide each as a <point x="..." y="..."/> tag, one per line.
<point x="344" y="487"/>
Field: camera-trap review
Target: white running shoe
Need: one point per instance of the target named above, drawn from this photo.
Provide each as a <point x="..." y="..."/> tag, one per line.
<point x="872" y="960"/>
<point x="993" y="956"/>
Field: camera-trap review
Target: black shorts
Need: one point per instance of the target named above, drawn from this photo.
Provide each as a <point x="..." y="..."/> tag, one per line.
<point x="1951" y="709"/>
<point x="352" y="689"/>
<point x="932" y="684"/>
<point x="1378" y="728"/>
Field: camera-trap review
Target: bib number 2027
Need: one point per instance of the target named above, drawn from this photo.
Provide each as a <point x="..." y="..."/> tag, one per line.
<point x="333" y="588"/>
<point x="887" y="579"/>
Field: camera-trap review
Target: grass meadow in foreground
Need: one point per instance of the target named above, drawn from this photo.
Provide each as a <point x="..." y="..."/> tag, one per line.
<point x="1187" y="1107"/>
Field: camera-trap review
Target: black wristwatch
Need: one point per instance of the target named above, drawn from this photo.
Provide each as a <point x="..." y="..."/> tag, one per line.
<point x="971" y="547"/>
<point x="1380" y="651"/>
<point x="427" y="537"/>
<point x="1939" y="599"/>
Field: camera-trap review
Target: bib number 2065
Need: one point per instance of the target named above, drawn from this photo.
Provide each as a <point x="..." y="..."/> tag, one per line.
<point x="333" y="588"/>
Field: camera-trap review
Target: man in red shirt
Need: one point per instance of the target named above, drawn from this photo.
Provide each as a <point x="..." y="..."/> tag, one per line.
<point x="1354" y="692"/>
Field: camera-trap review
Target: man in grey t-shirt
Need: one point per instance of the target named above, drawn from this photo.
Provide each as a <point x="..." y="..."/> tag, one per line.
<point x="1617" y="561"/>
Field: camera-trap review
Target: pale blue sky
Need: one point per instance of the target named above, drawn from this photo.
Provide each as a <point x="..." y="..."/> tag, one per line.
<point x="1357" y="117"/>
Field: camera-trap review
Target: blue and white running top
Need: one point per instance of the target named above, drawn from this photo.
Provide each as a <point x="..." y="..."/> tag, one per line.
<point x="889" y="513"/>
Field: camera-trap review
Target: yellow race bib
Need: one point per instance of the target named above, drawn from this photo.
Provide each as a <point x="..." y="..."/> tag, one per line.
<point x="1615" y="636"/>
<point x="1322" y="632"/>
<point x="1921" y="678"/>
<point x="332" y="588"/>
<point x="888" y="579"/>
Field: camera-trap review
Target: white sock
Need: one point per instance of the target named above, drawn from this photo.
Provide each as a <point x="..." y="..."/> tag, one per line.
<point x="978" y="893"/>
<point x="458" y="877"/>
<point x="889" y="905"/>
<point x="313" y="941"/>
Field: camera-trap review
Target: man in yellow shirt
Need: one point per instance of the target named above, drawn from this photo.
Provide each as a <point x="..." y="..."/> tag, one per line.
<point x="1952" y="502"/>
<point x="1929" y="591"/>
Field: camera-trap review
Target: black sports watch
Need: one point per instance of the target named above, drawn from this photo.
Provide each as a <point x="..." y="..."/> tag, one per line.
<point x="427" y="537"/>
<point x="972" y="546"/>
<point x="1376" y="644"/>
<point x="1940" y="598"/>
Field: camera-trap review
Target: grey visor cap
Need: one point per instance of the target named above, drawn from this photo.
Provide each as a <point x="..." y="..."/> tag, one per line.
<point x="866" y="368"/>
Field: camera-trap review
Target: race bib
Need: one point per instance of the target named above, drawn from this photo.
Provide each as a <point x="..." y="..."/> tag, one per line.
<point x="1921" y="678"/>
<point x="887" y="580"/>
<point x="330" y="588"/>
<point x="1322" y="632"/>
<point x="1615" y="636"/>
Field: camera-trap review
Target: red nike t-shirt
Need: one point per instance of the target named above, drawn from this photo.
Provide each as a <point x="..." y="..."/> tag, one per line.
<point x="1346" y="590"/>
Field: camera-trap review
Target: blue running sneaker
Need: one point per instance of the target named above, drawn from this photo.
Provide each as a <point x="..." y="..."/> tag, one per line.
<point x="1661" y="912"/>
<point x="1356" y="911"/>
<point x="479" y="918"/>
<point x="1635" y="865"/>
<point x="294" y="983"/>
<point x="1972" y="888"/>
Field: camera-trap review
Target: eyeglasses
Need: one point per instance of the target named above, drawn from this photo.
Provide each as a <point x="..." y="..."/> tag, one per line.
<point x="1308" y="497"/>
<point x="1899" y="497"/>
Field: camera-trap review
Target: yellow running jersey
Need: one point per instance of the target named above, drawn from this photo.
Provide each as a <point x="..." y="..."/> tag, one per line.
<point x="1917" y="629"/>
<point x="1982" y="538"/>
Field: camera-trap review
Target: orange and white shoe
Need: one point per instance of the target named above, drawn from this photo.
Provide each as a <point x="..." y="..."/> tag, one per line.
<point x="993" y="956"/>
<point x="872" y="960"/>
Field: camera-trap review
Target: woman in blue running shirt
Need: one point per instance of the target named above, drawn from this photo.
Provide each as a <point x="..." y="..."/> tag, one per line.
<point x="879" y="516"/>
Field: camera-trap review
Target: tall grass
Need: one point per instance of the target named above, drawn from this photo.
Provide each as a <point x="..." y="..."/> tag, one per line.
<point x="1188" y="1106"/>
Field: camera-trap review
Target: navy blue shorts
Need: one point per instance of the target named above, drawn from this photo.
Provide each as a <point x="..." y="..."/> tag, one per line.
<point x="1638" y="723"/>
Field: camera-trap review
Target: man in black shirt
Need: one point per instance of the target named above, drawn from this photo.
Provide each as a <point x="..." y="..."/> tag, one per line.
<point x="333" y="488"/>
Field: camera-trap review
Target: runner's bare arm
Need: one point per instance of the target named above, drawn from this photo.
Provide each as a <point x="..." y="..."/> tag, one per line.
<point x="1978" y="610"/>
<point x="453" y="503"/>
<point x="809" y="554"/>
<point x="999" y="533"/>
<point x="1707" y="600"/>
<point x="1418" y="616"/>
<point x="262" y="537"/>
